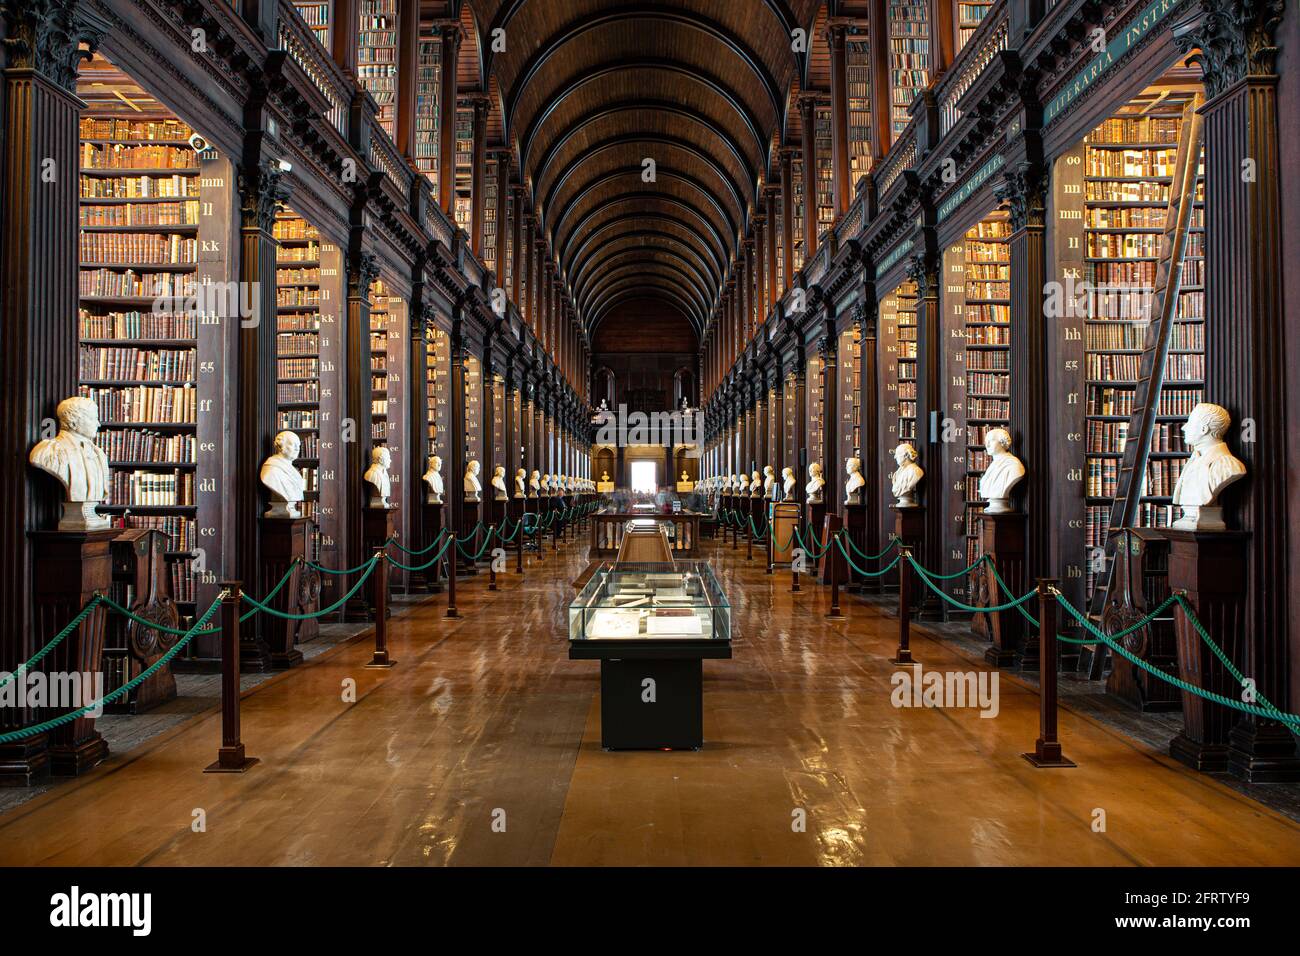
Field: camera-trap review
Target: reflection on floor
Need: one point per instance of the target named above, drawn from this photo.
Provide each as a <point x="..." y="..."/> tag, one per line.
<point x="485" y="721"/>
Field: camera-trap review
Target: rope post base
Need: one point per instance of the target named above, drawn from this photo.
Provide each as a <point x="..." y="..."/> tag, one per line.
<point x="834" y="614"/>
<point x="451" y="578"/>
<point x="904" y="654"/>
<point x="749" y="544"/>
<point x="794" y="577"/>
<point x="492" y="562"/>
<point x="231" y="757"/>
<point x="380" y="604"/>
<point x="1047" y="749"/>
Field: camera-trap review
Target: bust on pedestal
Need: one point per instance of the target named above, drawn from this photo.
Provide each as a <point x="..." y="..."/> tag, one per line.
<point x="535" y="484"/>
<point x="788" y="483"/>
<point x="78" y="464"/>
<point x="376" y="476"/>
<point x="472" y="485"/>
<point x="499" y="492"/>
<point x="521" y="483"/>
<point x="1211" y="468"/>
<point x="769" y="482"/>
<point x="433" y="480"/>
<point x="907" y="476"/>
<point x="853" y="486"/>
<point x="1003" y="473"/>
<point x="284" y="546"/>
<point x="815" y="484"/>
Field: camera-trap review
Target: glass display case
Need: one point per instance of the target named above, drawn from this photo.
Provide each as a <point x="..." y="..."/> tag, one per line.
<point x="652" y="602"/>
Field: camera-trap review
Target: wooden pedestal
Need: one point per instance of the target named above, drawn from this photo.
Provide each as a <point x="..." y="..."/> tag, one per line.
<point x="69" y="567"/>
<point x="430" y="579"/>
<point x="377" y="526"/>
<point x="471" y="513"/>
<point x="1211" y="567"/>
<point x="831" y="567"/>
<point x="142" y="582"/>
<point x="1002" y="537"/>
<point x="273" y="642"/>
<point x="909" y="530"/>
<point x="855" y="526"/>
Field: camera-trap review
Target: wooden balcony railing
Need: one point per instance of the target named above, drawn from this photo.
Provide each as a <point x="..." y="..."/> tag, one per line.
<point x="987" y="42"/>
<point x="302" y="47"/>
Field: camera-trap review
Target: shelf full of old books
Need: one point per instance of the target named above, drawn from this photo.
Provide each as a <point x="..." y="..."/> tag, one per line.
<point x="428" y="75"/>
<point x="149" y="348"/>
<point x="1111" y="205"/>
<point x="898" y="369"/>
<point x="317" y="15"/>
<point x="438" y="391"/>
<point x="849" y="369"/>
<point x="377" y="25"/>
<point x="909" y="59"/>
<point x="857" y="50"/>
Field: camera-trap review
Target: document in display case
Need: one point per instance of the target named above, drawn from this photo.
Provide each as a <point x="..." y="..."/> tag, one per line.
<point x="651" y="626"/>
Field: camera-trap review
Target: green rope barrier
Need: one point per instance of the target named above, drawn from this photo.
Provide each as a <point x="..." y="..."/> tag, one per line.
<point x="124" y="689"/>
<point x="56" y="641"/>
<point x="812" y="552"/>
<point x="876" y="557"/>
<point x="924" y="576"/>
<point x="472" y="535"/>
<point x="1269" y="712"/>
<point x="487" y="540"/>
<point x="421" y="567"/>
<point x="839" y="540"/>
<point x="153" y="625"/>
<point x="397" y="544"/>
<point x="285" y="615"/>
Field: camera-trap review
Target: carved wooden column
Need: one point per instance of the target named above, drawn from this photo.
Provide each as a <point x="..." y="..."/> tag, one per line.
<point x="516" y="244"/>
<point x="363" y="269"/>
<point x="454" y="496"/>
<point x="866" y="317"/>
<point x="38" y="283"/>
<point x="478" y="180"/>
<point x="799" y="457"/>
<point x="841" y="189"/>
<point x="1245" y="338"/>
<point x="450" y="35"/>
<point x="261" y="191"/>
<point x="345" y="41"/>
<point x="774" y="286"/>
<point x="832" y="470"/>
<point x="924" y="271"/>
<point x="1024" y="189"/>
<point x="408" y="51"/>
<point x="808" y="119"/>
<point x="787" y="218"/>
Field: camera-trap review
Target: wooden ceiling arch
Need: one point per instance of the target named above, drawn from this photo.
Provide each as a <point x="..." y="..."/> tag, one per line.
<point x="588" y="89"/>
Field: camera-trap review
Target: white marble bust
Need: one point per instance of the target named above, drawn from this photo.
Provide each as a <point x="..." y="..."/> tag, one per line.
<point x="853" y="486"/>
<point x="285" y="482"/>
<point x="1211" y="468"/>
<point x="815" y="484"/>
<point x="433" y="480"/>
<point x="376" y="476"/>
<point x="755" y="484"/>
<point x="534" y="484"/>
<point x="1002" y="474"/>
<point x="907" y="476"/>
<point x="521" y="483"/>
<point x="499" y="492"/>
<point x="741" y="485"/>
<point x="546" y="485"/>
<point x="77" y="463"/>
<point x="473" y="486"/>
<point x="769" y="482"/>
<point x="788" y="482"/>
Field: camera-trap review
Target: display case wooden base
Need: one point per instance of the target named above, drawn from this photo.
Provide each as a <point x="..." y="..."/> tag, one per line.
<point x="909" y="531"/>
<point x="377" y="526"/>
<point x="284" y="546"/>
<point x="69" y="567"/>
<point x="470" y="512"/>
<point x="430" y="579"/>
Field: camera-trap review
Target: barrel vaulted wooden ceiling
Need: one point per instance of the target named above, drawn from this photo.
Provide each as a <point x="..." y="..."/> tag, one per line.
<point x="586" y="90"/>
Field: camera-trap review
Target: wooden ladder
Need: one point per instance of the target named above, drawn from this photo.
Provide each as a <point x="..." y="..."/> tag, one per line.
<point x="1151" y="367"/>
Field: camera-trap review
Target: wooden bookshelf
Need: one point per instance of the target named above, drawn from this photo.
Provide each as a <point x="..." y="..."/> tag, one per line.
<point x="141" y="334"/>
<point x="816" y="416"/>
<point x="378" y="363"/>
<point x="796" y="189"/>
<point x="298" y="351"/>
<point x="464" y="166"/>
<point x="858" y="61"/>
<point x="438" y="391"/>
<point x="825" y="170"/>
<point x="473" y="413"/>
<point x="1112" y="198"/>
<point x="970" y="14"/>
<point x="490" y="219"/>
<point x="849" y="369"/>
<point x="317" y="14"/>
<point x="427" y="80"/>
<point x="909" y="59"/>
<point x="377" y="58"/>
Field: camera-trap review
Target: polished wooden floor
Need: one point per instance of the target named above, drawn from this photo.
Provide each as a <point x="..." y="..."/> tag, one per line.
<point x="485" y="719"/>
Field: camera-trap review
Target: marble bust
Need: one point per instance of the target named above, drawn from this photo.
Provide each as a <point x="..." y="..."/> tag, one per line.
<point x="499" y="483"/>
<point x="534" y="484"/>
<point x="521" y="483"/>
<point x="853" y="487"/>
<point x="788" y="481"/>
<point x="376" y="476"/>
<point x="769" y="482"/>
<point x="1003" y="473"/>
<point x="742" y="484"/>
<point x="285" y="482"/>
<point x="1211" y="468"/>
<point x="77" y="463"/>
<point x="433" y="480"/>
<point x="472" y="485"/>
<point x="907" y="476"/>
<point x="546" y="485"/>
<point x="755" y="484"/>
<point x="815" y="484"/>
